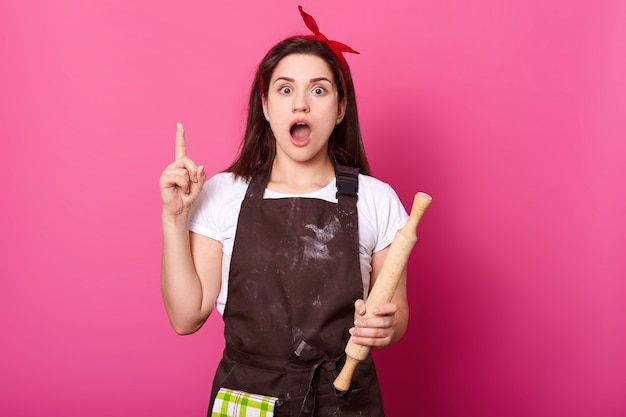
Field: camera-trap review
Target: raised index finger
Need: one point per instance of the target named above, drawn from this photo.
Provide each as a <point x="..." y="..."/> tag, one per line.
<point x="181" y="149"/>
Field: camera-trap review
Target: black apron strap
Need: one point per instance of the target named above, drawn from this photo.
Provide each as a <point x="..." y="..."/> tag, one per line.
<point x="347" y="185"/>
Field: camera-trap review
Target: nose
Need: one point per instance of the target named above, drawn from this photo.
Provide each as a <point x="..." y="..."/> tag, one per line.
<point x="300" y="102"/>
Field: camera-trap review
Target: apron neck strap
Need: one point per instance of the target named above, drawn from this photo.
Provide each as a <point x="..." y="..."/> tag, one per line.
<point x="347" y="180"/>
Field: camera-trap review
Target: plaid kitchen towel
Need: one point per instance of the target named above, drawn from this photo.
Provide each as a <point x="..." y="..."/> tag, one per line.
<point x="233" y="403"/>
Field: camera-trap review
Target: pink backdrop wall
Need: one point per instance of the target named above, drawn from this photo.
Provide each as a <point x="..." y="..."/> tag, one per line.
<point x="510" y="113"/>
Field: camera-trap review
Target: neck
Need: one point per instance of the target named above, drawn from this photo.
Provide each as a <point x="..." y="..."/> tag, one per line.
<point x="300" y="177"/>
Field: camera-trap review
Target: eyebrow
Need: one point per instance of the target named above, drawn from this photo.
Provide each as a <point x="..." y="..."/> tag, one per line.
<point x="312" y="80"/>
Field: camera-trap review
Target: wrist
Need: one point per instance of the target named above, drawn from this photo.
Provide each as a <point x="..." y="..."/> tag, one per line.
<point x="177" y="219"/>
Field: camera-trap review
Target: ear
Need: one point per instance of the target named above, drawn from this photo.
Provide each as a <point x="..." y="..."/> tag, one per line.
<point x="264" y="104"/>
<point x="341" y="110"/>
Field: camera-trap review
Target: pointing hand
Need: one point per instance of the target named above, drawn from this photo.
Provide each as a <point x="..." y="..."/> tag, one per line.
<point x="182" y="180"/>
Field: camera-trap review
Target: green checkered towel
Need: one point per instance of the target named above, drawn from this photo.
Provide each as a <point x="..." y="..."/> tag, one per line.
<point x="232" y="403"/>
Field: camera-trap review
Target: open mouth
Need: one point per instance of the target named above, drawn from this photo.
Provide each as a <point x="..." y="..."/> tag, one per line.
<point x="300" y="131"/>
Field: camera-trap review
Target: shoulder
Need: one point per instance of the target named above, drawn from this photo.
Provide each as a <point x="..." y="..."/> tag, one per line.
<point x="381" y="212"/>
<point x="373" y="182"/>
<point x="377" y="195"/>
<point x="215" y="212"/>
<point x="374" y="190"/>
<point x="222" y="188"/>
<point x="224" y="181"/>
<point x="219" y="192"/>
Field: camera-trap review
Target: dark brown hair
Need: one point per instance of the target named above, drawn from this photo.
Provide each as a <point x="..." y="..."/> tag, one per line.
<point x="258" y="149"/>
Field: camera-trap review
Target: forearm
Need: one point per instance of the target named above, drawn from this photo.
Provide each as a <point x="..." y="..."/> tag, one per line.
<point x="180" y="284"/>
<point x="402" y="315"/>
<point x="386" y="323"/>
<point x="398" y="320"/>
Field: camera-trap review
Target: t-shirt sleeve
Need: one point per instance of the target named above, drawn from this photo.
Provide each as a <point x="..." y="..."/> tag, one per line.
<point x="391" y="216"/>
<point x="203" y="216"/>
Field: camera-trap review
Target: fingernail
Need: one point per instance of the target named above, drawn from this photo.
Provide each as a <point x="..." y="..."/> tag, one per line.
<point x="198" y="174"/>
<point x="358" y="323"/>
<point x="376" y="310"/>
<point x="351" y="330"/>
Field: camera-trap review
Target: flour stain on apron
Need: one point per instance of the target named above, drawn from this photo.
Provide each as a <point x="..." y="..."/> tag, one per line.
<point x="315" y="248"/>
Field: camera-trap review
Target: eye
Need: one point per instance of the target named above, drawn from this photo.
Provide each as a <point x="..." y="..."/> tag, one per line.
<point x="285" y="90"/>
<point x="318" y="91"/>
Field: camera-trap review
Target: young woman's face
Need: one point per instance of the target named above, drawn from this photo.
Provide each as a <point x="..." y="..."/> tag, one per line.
<point x="303" y="107"/>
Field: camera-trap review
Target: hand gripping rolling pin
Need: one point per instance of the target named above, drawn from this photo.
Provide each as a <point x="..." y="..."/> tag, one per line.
<point x="386" y="283"/>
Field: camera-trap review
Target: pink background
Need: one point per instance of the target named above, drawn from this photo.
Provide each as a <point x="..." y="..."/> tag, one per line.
<point x="510" y="113"/>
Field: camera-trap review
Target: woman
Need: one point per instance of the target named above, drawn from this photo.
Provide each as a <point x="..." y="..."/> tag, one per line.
<point x="287" y="241"/>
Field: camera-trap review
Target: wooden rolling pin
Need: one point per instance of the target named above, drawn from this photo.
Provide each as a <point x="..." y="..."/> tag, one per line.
<point x="386" y="284"/>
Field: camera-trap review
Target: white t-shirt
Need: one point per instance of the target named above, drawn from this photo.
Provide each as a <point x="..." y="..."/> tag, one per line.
<point x="216" y="212"/>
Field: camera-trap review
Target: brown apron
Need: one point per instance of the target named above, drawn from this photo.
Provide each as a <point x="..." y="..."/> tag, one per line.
<point x="294" y="277"/>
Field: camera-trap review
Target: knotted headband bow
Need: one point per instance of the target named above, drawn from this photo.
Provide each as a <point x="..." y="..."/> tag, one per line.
<point x="338" y="48"/>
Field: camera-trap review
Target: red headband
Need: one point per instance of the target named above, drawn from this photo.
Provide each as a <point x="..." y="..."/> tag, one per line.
<point x="337" y="47"/>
